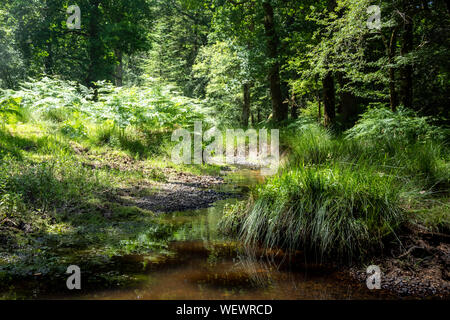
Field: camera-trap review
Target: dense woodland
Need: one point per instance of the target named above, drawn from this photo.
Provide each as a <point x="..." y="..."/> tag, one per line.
<point x="245" y="59"/>
<point x="363" y="112"/>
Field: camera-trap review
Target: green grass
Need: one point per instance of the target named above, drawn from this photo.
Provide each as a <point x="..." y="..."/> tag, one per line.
<point x="333" y="212"/>
<point x="60" y="199"/>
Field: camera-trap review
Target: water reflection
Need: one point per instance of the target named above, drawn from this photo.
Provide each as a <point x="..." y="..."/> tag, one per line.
<point x="207" y="265"/>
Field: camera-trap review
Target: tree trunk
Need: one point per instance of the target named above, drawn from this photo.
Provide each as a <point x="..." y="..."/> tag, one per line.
<point x="95" y="49"/>
<point x="48" y="62"/>
<point x="246" y="105"/>
<point x="329" y="103"/>
<point x="393" y="98"/>
<point x="407" y="70"/>
<point x="280" y="110"/>
<point x="294" y="108"/>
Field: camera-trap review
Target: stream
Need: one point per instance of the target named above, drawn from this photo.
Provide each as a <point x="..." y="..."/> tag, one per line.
<point x="203" y="264"/>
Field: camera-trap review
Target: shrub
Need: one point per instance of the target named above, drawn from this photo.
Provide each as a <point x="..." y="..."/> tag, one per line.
<point x="71" y="106"/>
<point x="381" y="125"/>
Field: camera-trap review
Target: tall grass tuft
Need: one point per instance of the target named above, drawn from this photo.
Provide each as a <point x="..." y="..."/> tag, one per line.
<point x="332" y="212"/>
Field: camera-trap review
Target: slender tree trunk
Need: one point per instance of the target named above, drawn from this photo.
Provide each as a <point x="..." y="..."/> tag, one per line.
<point x="329" y="101"/>
<point x="95" y="50"/>
<point x="393" y="98"/>
<point x="48" y="62"/>
<point x="246" y="105"/>
<point x="280" y="110"/>
<point x="319" y="116"/>
<point x="407" y="70"/>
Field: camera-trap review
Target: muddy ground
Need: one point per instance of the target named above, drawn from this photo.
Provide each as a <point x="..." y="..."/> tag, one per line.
<point x="418" y="267"/>
<point x="180" y="192"/>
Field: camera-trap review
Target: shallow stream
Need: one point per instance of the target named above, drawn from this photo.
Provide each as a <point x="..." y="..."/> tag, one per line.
<point x="203" y="264"/>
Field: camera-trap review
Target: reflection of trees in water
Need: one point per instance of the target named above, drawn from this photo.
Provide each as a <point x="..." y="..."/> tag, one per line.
<point x="288" y="272"/>
<point x="262" y="266"/>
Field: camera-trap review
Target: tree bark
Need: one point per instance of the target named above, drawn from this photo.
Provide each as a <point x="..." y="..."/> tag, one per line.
<point x="393" y="98"/>
<point x="48" y="62"/>
<point x="407" y="70"/>
<point x="329" y="101"/>
<point x="258" y="114"/>
<point x="280" y="110"/>
<point x="348" y="105"/>
<point x="294" y="107"/>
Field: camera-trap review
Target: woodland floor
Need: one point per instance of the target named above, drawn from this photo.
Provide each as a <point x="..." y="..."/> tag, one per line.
<point x="419" y="267"/>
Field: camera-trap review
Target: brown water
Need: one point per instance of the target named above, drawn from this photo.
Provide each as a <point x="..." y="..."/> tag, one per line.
<point x="203" y="264"/>
<point x="206" y="265"/>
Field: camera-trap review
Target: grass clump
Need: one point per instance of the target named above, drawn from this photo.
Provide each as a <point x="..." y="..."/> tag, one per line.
<point x="337" y="212"/>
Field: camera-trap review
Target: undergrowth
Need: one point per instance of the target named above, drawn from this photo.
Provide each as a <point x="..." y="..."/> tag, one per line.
<point x="345" y="196"/>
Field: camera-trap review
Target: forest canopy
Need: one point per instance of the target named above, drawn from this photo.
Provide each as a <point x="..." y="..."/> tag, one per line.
<point x="246" y="59"/>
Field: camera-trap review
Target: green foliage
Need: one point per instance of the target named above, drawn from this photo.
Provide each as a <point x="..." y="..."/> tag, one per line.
<point x="40" y="40"/>
<point x="178" y="34"/>
<point x="224" y="66"/>
<point x="381" y="125"/>
<point x="308" y="142"/>
<point x="10" y="110"/>
<point x="334" y="212"/>
<point x="71" y="104"/>
<point x="11" y="63"/>
<point x="345" y="197"/>
<point x="47" y="186"/>
<point x="153" y="107"/>
<point x="176" y="61"/>
<point x="136" y="119"/>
